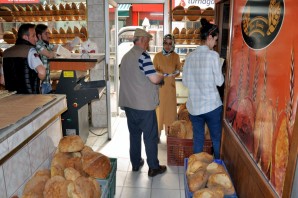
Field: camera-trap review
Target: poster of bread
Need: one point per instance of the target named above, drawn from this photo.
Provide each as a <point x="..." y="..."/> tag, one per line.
<point x="262" y="85"/>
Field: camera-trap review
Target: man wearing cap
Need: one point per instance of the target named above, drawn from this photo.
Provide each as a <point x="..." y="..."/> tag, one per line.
<point x="139" y="98"/>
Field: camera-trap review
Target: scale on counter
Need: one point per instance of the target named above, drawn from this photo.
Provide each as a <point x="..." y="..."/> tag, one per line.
<point x="79" y="92"/>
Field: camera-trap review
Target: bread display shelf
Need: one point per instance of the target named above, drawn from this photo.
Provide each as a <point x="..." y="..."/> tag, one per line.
<point x="186" y="17"/>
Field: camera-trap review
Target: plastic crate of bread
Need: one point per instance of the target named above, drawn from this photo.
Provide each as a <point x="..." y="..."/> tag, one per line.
<point x="110" y="180"/>
<point x="75" y="170"/>
<point x="205" y="176"/>
<point x="180" y="138"/>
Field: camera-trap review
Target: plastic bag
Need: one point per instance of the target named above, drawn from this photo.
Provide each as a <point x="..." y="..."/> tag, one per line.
<point x="89" y="47"/>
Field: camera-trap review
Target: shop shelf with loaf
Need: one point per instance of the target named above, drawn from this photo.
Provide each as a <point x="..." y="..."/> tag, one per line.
<point x="186" y="23"/>
<point x="68" y="18"/>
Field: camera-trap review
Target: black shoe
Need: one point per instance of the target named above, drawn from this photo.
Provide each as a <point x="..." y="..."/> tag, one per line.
<point x="154" y="172"/>
<point x="137" y="168"/>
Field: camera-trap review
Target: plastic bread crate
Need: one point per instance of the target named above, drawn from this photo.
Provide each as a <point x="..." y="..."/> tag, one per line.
<point x="178" y="149"/>
<point x="189" y="194"/>
<point x="104" y="188"/>
<point x="110" y="180"/>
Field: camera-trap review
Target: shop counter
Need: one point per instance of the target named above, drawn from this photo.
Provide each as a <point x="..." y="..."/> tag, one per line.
<point x="30" y="130"/>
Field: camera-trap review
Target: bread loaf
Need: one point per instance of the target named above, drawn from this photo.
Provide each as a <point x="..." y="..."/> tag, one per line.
<point x="56" y="187"/>
<point x="203" y="156"/>
<point x="189" y="130"/>
<point x="195" y="166"/>
<point x="209" y="193"/>
<point x="96" y="165"/>
<point x="176" y="31"/>
<point x="71" y="174"/>
<point x="35" y="186"/>
<point x="215" y="168"/>
<point x="69" y="30"/>
<point x="183" y="115"/>
<point x="84" y="188"/>
<point x="178" y="13"/>
<point x="221" y="180"/>
<point x="72" y="143"/>
<point x="83" y="32"/>
<point x="177" y="129"/>
<point x="197" y="181"/>
<point x="76" y="30"/>
<point x="5" y="8"/>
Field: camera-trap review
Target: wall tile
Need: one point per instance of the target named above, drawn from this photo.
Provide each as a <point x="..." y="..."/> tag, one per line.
<point x="96" y="12"/>
<point x="2" y="184"/>
<point x="97" y="30"/>
<point x="38" y="151"/>
<point x="95" y="2"/>
<point x="4" y="149"/>
<point x="17" y="170"/>
<point x="19" y="137"/>
<point x="54" y="134"/>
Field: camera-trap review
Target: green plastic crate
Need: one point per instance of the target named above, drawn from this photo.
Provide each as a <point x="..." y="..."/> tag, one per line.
<point x="110" y="182"/>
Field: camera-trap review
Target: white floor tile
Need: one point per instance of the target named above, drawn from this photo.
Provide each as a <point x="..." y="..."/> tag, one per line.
<point x="128" y="192"/>
<point x="158" y="193"/>
<point x="166" y="181"/>
<point x="120" y="177"/>
<point x="138" y="179"/>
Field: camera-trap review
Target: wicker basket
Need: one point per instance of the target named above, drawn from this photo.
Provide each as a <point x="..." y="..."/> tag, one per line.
<point x="178" y="149"/>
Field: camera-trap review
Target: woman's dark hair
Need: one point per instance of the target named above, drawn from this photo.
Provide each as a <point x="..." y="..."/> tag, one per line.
<point x="40" y="28"/>
<point x="208" y="29"/>
<point x="24" y="29"/>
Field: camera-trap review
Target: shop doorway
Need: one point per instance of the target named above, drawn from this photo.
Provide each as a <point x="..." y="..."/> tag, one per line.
<point x="124" y="18"/>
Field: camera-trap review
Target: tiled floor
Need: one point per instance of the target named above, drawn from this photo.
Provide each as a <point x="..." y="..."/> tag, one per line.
<point x="137" y="184"/>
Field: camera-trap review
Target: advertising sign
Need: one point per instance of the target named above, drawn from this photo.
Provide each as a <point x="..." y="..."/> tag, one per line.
<point x="262" y="87"/>
<point x="203" y="4"/>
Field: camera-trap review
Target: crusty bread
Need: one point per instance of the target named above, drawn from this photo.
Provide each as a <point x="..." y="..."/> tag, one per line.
<point x="195" y="166"/>
<point x="96" y="165"/>
<point x="183" y="115"/>
<point x="177" y="129"/>
<point x="72" y="143"/>
<point x="5" y="8"/>
<point x="71" y="174"/>
<point x="8" y="35"/>
<point x="84" y="188"/>
<point x="221" y="180"/>
<point x="76" y="30"/>
<point x="208" y="193"/>
<point x="203" y="156"/>
<point x="56" y="187"/>
<point x="176" y="30"/>
<point x="35" y="186"/>
<point x="69" y="30"/>
<point x="189" y="130"/>
<point x="213" y="168"/>
<point x="54" y="31"/>
<point x="83" y="31"/>
<point x="197" y="181"/>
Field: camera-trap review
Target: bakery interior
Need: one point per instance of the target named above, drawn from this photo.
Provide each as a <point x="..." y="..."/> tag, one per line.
<point x="81" y="144"/>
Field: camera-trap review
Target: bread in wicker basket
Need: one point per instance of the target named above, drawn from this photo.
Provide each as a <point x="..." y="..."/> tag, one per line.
<point x="193" y="13"/>
<point x="178" y="13"/>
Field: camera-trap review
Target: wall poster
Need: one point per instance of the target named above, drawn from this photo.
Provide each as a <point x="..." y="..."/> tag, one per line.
<point x="262" y="87"/>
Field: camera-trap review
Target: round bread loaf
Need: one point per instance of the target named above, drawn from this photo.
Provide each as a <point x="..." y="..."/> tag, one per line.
<point x="215" y="168"/>
<point x="197" y="181"/>
<point x="177" y="129"/>
<point x="209" y="193"/>
<point x="176" y="30"/>
<point x="203" y="156"/>
<point x="96" y="165"/>
<point x="221" y="180"/>
<point x="183" y="115"/>
<point x="56" y="187"/>
<point x="72" y="143"/>
<point x="195" y="166"/>
<point x="71" y="174"/>
<point x="84" y="187"/>
<point x="35" y="186"/>
<point x="178" y="13"/>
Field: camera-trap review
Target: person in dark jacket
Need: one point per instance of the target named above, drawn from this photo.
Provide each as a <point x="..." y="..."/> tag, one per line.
<point x="22" y="66"/>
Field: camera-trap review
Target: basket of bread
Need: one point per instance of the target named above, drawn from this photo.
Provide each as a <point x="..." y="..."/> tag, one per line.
<point x="180" y="138"/>
<point x="74" y="172"/>
<point x="206" y="177"/>
<point x="178" y="13"/>
<point x="193" y="13"/>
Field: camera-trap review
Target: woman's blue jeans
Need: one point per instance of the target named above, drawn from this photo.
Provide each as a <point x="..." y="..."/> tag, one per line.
<point x="214" y="123"/>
